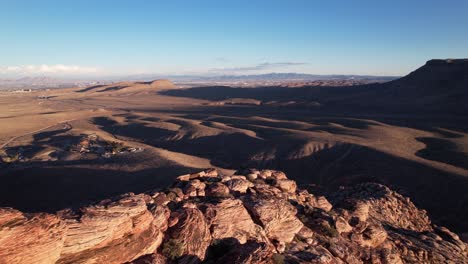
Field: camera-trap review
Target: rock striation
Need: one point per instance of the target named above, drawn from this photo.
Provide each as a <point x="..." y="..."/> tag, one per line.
<point x="250" y="217"/>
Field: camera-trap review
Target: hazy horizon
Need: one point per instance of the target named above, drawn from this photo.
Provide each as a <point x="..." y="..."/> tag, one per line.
<point x="120" y="38"/>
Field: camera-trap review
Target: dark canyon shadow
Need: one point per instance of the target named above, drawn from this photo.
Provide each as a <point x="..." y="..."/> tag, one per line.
<point x="51" y="186"/>
<point x="379" y="102"/>
<point x="444" y="151"/>
<point x="443" y="194"/>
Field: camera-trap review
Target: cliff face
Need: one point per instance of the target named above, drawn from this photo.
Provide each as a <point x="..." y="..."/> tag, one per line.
<point x="253" y="217"/>
<point x="439" y="85"/>
<point x="439" y="73"/>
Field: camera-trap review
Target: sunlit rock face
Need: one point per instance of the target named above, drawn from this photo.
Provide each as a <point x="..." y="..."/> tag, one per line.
<point x="250" y="217"/>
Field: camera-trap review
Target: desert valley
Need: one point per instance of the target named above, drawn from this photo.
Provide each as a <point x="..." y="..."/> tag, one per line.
<point x="233" y="132"/>
<point x="66" y="149"/>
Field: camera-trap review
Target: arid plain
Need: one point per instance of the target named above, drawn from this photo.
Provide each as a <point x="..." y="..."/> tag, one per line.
<point x="68" y="147"/>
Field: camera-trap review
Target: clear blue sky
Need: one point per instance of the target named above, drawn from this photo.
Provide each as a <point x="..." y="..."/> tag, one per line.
<point x="194" y="36"/>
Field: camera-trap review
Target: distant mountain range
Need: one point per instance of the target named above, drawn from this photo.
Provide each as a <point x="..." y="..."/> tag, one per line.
<point x="36" y="82"/>
<point x="264" y="77"/>
<point x="439" y="86"/>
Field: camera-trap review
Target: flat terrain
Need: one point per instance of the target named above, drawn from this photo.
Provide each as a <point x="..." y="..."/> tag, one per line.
<point x="68" y="147"/>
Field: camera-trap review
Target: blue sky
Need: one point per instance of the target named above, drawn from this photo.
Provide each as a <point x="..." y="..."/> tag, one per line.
<point x="71" y="37"/>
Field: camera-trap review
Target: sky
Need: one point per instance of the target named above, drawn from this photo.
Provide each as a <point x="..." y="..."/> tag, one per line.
<point x="101" y="37"/>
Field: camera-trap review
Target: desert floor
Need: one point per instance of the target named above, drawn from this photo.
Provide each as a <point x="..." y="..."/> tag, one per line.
<point x="423" y="156"/>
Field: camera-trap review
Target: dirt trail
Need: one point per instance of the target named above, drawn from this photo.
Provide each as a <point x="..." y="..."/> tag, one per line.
<point x="38" y="130"/>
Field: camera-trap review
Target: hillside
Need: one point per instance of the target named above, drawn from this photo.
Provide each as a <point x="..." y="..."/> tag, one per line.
<point x="438" y="87"/>
<point x="69" y="147"/>
<point x="250" y="217"/>
<point x="125" y="87"/>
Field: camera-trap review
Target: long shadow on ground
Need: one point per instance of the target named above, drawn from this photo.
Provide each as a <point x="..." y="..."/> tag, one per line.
<point x="442" y="193"/>
<point x="48" y="187"/>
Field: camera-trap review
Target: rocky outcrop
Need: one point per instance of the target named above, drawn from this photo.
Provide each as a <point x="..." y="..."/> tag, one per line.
<point x="251" y="217"/>
<point x="230" y="219"/>
<point x="19" y="235"/>
<point x="90" y="235"/>
<point x="189" y="237"/>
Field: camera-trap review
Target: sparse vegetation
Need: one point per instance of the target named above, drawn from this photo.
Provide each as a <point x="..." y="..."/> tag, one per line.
<point x="173" y="249"/>
<point x="11" y="158"/>
<point x="117" y="147"/>
<point x="329" y="230"/>
<point x="171" y="196"/>
<point x="278" y="258"/>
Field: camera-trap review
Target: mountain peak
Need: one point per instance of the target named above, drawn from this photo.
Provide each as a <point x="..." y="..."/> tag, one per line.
<point x="447" y="62"/>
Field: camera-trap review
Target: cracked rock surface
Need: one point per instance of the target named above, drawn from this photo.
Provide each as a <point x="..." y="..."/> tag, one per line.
<point x="251" y="217"/>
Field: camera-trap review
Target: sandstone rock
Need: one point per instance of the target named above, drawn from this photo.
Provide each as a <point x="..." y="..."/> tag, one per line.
<point x="225" y="178"/>
<point x="252" y="177"/>
<point x="342" y="225"/>
<point x="268" y="190"/>
<point x="175" y="194"/>
<point x="230" y="219"/>
<point x="150" y="259"/>
<point x="322" y="203"/>
<point x="264" y="174"/>
<point x="451" y="237"/>
<point x="391" y="257"/>
<point x="306" y="199"/>
<point x="362" y="211"/>
<point x="185" y="177"/>
<point x="217" y="190"/>
<point x="266" y="220"/>
<point x="160" y="199"/>
<point x="286" y="185"/>
<point x="211" y="173"/>
<point x="195" y="188"/>
<point x="112" y="232"/>
<point x="239" y="185"/>
<point x="305" y="233"/>
<point x="38" y="239"/>
<point x="197" y="175"/>
<point x="189" y="238"/>
<point x="372" y="236"/>
<point x="277" y="216"/>
<point x="279" y="175"/>
<point x="386" y="206"/>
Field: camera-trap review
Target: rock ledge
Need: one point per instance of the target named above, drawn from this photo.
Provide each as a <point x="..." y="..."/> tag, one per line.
<point x="251" y="217"/>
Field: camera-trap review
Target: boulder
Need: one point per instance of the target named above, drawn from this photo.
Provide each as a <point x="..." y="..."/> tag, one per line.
<point x="277" y="217"/>
<point x="230" y="219"/>
<point x="217" y="189"/>
<point x="373" y="236"/>
<point x="239" y="185"/>
<point x="342" y="225"/>
<point x="189" y="238"/>
<point x="286" y="185"/>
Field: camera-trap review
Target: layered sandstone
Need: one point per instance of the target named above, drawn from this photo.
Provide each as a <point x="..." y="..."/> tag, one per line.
<point x="251" y="217"/>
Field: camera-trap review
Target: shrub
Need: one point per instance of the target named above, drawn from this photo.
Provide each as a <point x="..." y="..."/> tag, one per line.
<point x="12" y="158"/>
<point x="278" y="258"/>
<point x="173" y="249"/>
<point x="329" y="230"/>
<point x="117" y="146"/>
<point x="171" y="196"/>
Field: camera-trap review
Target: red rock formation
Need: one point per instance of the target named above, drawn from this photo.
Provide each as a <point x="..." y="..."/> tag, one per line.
<point x="256" y="218"/>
